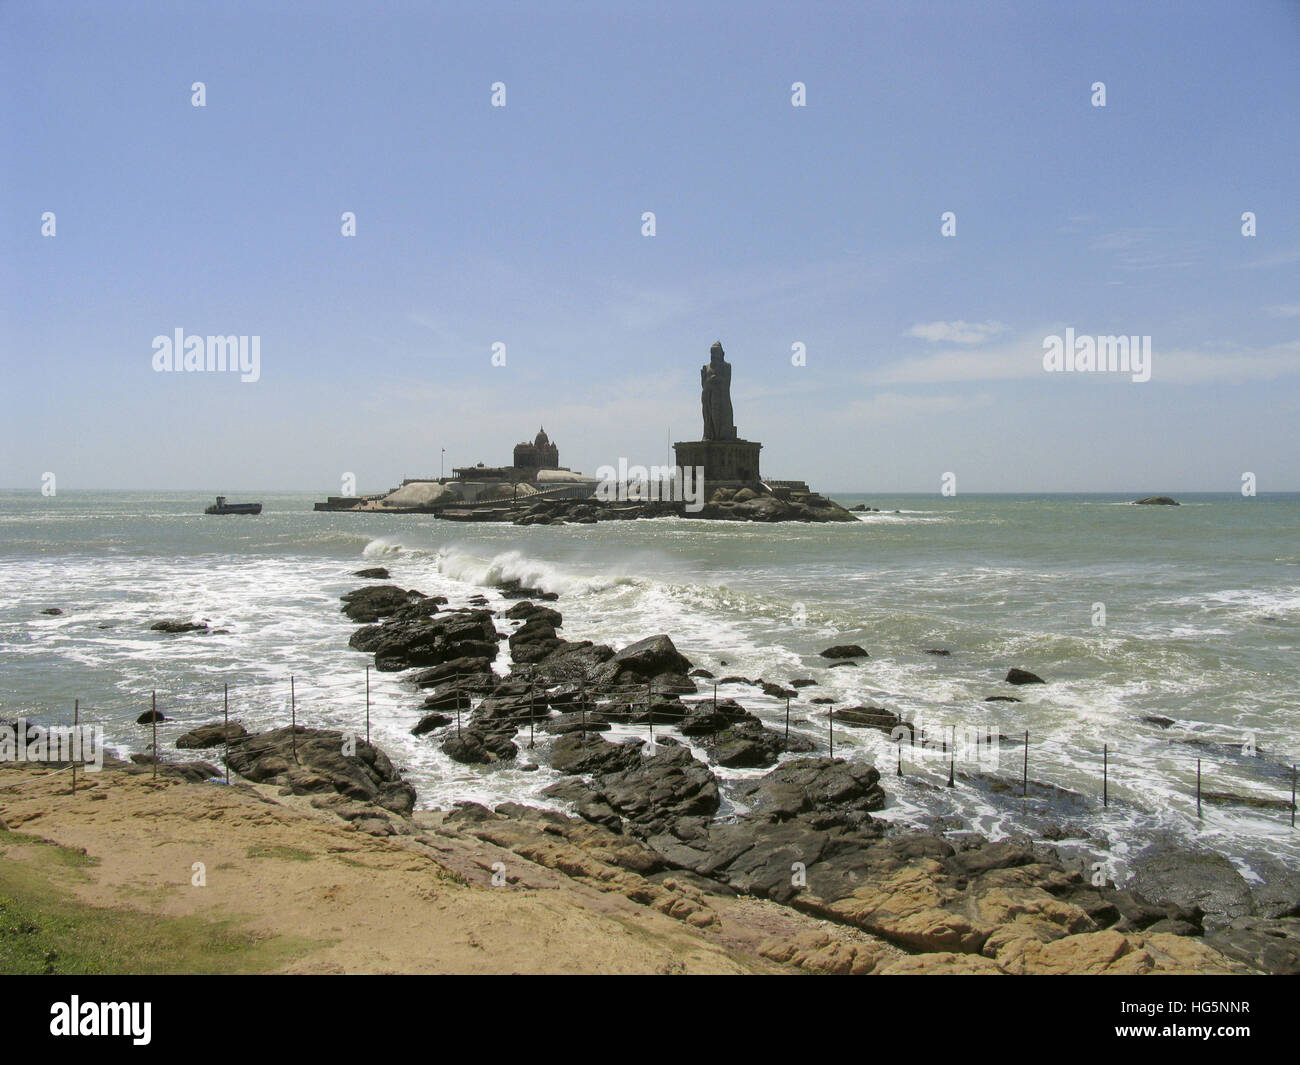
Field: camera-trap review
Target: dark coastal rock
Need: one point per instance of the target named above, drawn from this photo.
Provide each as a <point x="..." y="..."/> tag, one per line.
<point x="459" y="670"/>
<point x="564" y="724"/>
<point x="820" y="785"/>
<point x="212" y="735"/>
<point x="844" y="650"/>
<point x="1002" y="699"/>
<point x="803" y="682"/>
<point x="651" y="657"/>
<point x="402" y="644"/>
<point x="707" y="717"/>
<point x="876" y="717"/>
<point x="376" y="601"/>
<point x="533" y="641"/>
<point x="429" y="722"/>
<point x="1194" y="879"/>
<point x="511" y="588"/>
<point x="1271" y="945"/>
<point x="647" y="787"/>
<point x="478" y="746"/>
<point x="1156" y="501"/>
<point x="319" y="766"/>
<point x="938" y="651"/>
<point x="703" y="674"/>
<point x="375" y="573"/>
<point x="527" y="610"/>
<point x="179" y="626"/>
<point x="150" y="716"/>
<point x="1159" y="720"/>
<point x="52" y="611"/>
<point x="777" y="691"/>
<point x="748" y="744"/>
<point x="1023" y="676"/>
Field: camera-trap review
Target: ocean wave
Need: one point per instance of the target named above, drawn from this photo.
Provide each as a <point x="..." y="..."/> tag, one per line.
<point x="530" y="572"/>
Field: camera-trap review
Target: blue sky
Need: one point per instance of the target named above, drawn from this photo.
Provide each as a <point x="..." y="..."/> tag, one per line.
<point x="775" y="225"/>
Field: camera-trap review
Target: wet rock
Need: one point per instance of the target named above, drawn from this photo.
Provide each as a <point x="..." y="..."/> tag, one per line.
<point x="212" y="735"/>
<point x="373" y="602"/>
<point x="876" y="717"/>
<point x="429" y="722"/>
<point x="312" y="761"/>
<point x="375" y="573"/>
<point x="52" y="611"/>
<point x="150" y="716"/>
<point x="179" y="626"/>
<point x="845" y="650"/>
<point x="1016" y="675"/>
<point x="475" y="746"/>
<point x="1271" y="945"/>
<point x="1194" y="879"/>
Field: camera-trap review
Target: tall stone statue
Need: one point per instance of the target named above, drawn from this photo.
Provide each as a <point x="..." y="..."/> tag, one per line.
<point x="715" y="396"/>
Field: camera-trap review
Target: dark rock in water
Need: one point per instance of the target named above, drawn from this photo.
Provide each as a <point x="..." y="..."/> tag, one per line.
<point x="707" y="717"/>
<point x="480" y="747"/>
<point x="1002" y="699"/>
<point x="822" y="700"/>
<point x="846" y="662"/>
<point x="150" y="716"/>
<point x="457" y="668"/>
<point x="1157" y="719"/>
<point x="876" y="717"/>
<point x="777" y="691"/>
<point x="936" y="651"/>
<point x="514" y="589"/>
<point x="1158" y="501"/>
<point x="650" y="657"/>
<point x="737" y="680"/>
<point x="430" y="722"/>
<point x="748" y="744"/>
<point x="376" y="601"/>
<point x="527" y="610"/>
<point x="803" y="682"/>
<point x="402" y="644"/>
<point x="579" y="753"/>
<point x="375" y="573"/>
<point x="704" y="674"/>
<point x="1271" y="945"/>
<point x="1023" y="676"/>
<point x="533" y="641"/>
<point x="1194" y="879"/>
<point x="662" y="712"/>
<point x="213" y="735"/>
<point x="564" y="724"/>
<point x="53" y="611"/>
<point x="179" y="626"/>
<point x="320" y="766"/>
<point x="845" y="650"/>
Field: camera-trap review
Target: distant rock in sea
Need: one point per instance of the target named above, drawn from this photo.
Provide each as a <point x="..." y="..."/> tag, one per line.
<point x="1156" y="501"/>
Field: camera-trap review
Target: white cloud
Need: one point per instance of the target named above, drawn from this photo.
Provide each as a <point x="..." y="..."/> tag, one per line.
<point x="958" y="332"/>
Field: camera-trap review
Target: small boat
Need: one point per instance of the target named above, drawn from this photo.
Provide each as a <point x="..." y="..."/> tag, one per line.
<point x="222" y="507"/>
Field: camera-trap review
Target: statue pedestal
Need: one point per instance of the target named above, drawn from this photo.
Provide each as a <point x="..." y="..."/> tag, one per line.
<point x="725" y="462"/>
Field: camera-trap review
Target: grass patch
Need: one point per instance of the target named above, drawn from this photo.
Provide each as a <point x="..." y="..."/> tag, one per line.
<point x="46" y="929"/>
<point x="288" y="854"/>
